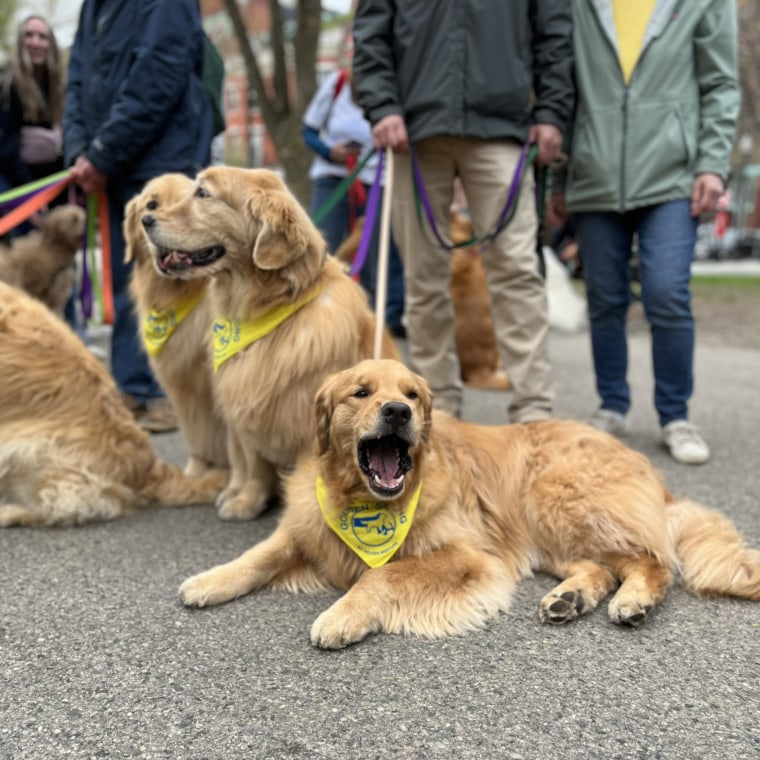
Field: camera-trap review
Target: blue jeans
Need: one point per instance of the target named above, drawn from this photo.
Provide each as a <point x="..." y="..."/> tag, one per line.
<point x="666" y="237"/>
<point x="335" y="229"/>
<point x="129" y="362"/>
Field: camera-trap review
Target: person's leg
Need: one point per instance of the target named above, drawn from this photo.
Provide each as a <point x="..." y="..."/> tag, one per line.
<point x="129" y="362"/>
<point x="667" y="235"/>
<point x="517" y="289"/>
<point x="605" y="240"/>
<point x="427" y="271"/>
<point x="334" y="226"/>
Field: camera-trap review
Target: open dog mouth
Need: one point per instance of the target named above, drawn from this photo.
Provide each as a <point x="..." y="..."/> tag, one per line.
<point x="385" y="461"/>
<point x="176" y="261"/>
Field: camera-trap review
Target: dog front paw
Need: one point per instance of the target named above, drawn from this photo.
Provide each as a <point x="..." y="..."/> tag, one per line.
<point x="206" y="589"/>
<point x="239" y="507"/>
<point x="340" y="625"/>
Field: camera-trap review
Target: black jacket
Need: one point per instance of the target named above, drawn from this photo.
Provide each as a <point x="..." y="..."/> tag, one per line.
<point x="135" y="105"/>
<point x="467" y="68"/>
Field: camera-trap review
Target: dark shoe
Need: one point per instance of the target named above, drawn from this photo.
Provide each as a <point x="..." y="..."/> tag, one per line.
<point x="397" y="331"/>
<point x="154" y="415"/>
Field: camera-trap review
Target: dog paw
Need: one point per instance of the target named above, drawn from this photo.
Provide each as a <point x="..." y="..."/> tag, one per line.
<point x="334" y="629"/>
<point x="238" y="507"/>
<point x="630" y="613"/>
<point x="203" y="590"/>
<point x="561" y="608"/>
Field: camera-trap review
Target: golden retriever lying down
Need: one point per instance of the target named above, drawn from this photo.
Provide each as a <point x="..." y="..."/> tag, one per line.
<point x="483" y="507"/>
<point x="70" y="451"/>
<point x="176" y="330"/>
<point x="41" y="263"/>
<point x="285" y="317"/>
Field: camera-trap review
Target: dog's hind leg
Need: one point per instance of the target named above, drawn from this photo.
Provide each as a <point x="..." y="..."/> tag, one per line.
<point x="644" y="583"/>
<point x="273" y="561"/>
<point x="447" y="592"/>
<point x="12" y="515"/>
<point x="586" y="584"/>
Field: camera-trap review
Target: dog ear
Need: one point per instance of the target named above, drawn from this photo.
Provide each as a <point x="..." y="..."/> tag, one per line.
<point x="285" y="231"/>
<point x="132" y="229"/>
<point x="323" y="409"/>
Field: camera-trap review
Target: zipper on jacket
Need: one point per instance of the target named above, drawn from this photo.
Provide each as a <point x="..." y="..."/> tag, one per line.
<point x="622" y="150"/>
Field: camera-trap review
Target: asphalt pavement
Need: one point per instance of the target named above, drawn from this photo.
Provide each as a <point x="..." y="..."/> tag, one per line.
<point x="99" y="659"/>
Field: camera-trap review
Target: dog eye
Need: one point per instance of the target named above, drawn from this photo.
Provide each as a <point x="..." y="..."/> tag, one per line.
<point x="151" y="205"/>
<point x="201" y="192"/>
<point x="361" y="393"/>
<point x="411" y="395"/>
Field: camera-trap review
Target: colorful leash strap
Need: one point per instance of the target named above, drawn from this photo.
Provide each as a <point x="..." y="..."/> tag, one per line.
<point x="422" y="202"/>
<point x="25" y="200"/>
<point x="102" y="289"/>
<point x="340" y="190"/>
<point x="370" y="214"/>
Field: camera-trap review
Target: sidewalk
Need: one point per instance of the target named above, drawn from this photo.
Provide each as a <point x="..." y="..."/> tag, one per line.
<point x="98" y="658"/>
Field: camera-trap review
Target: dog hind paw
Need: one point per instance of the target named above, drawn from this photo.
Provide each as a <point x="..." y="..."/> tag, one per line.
<point x="630" y="613"/>
<point x="561" y="608"/>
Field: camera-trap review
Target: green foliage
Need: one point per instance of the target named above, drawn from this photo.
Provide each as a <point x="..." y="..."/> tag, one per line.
<point x="8" y="10"/>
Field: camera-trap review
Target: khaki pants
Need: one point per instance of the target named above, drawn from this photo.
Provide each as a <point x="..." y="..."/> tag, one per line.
<point x="518" y="295"/>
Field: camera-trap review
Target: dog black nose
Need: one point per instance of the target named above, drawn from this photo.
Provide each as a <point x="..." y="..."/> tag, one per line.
<point x="396" y="414"/>
<point x="148" y="221"/>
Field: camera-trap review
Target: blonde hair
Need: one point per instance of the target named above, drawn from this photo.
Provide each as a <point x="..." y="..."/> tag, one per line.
<point x="42" y="100"/>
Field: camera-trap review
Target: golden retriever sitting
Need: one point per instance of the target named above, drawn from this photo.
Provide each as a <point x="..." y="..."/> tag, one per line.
<point x="41" y="263"/>
<point x="176" y="330"/>
<point x="70" y="451"/>
<point x="429" y="522"/>
<point x="286" y="316"/>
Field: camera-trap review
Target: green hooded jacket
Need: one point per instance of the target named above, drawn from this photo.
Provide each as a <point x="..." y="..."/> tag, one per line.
<point x="643" y="143"/>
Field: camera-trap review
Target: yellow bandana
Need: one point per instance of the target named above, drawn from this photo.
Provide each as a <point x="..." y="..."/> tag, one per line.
<point x="158" y="326"/>
<point x="233" y="335"/>
<point x="372" y="531"/>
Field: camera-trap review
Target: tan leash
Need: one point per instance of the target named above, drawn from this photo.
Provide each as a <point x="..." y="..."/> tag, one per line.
<point x="381" y="284"/>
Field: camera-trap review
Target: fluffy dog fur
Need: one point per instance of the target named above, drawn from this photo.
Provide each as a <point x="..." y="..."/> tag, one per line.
<point x="70" y="451"/>
<point x="244" y="230"/>
<point x="496" y="503"/>
<point x="41" y="263"/>
<point x="183" y="366"/>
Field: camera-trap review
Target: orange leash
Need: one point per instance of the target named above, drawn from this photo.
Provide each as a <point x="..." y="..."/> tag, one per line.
<point x="105" y="259"/>
<point x="30" y="206"/>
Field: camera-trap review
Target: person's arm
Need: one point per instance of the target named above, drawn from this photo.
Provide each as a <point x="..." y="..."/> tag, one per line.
<point x="715" y="55"/>
<point x="313" y="143"/>
<point x="552" y="25"/>
<point x="74" y="133"/>
<point x="164" y="61"/>
<point x="374" y="74"/>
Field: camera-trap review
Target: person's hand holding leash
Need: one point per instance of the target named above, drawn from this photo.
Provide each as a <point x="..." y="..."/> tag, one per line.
<point x="90" y="179"/>
<point x="390" y="132"/>
<point x="548" y="140"/>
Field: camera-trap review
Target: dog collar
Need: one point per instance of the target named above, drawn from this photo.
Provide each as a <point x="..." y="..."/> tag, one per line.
<point x="371" y="530"/>
<point x="159" y="325"/>
<point x="233" y="335"/>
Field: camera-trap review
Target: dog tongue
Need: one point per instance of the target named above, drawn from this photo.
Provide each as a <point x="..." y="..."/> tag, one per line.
<point x="383" y="461"/>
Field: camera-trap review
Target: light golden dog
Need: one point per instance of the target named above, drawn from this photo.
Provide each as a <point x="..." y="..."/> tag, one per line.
<point x="176" y="330"/>
<point x="285" y="317"/>
<point x="473" y="325"/>
<point x="483" y="506"/>
<point x="41" y="263"/>
<point x="70" y="451"/>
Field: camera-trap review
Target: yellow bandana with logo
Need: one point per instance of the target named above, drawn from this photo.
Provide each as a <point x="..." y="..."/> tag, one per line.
<point x="372" y="531"/>
<point x="158" y="326"/>
<point x="233" y="335"/>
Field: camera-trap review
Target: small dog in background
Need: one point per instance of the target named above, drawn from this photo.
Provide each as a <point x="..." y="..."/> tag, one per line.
<point x="41" y="263"/>
<point x="176" y="330"/>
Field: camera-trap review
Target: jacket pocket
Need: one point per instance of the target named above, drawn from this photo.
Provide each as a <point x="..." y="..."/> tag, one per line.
<point x="659" y="153"/>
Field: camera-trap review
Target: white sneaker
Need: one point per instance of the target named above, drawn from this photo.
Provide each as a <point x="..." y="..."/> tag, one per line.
<point x="609" y="421"/>
<point x="685" y="443"/>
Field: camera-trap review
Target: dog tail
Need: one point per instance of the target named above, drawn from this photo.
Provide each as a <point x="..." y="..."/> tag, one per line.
<point x="714" y="559"/>
<point x="168" y="486"/>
